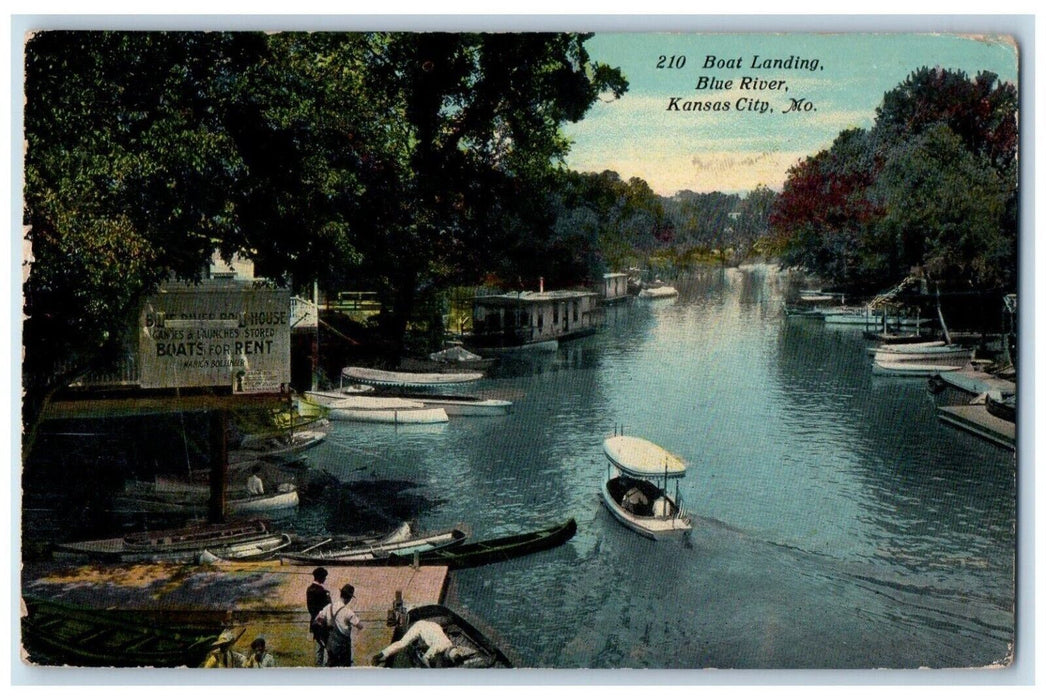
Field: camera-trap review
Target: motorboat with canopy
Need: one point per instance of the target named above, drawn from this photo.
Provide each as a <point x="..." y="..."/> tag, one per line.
<point x="636" y="489"/>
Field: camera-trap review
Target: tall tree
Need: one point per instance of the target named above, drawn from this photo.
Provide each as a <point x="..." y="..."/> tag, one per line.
<point x="481" y="114"/>
<point x="128" y="172"/>
<point x="932" y="184"/>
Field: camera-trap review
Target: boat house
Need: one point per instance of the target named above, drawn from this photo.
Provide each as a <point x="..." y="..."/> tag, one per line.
<point x="615" y="287"/>
<point x="521" y="319"/>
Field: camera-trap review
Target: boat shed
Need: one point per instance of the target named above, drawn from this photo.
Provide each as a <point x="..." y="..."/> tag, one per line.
<point x="524" y="318"/>
<point x="615" y="287"/>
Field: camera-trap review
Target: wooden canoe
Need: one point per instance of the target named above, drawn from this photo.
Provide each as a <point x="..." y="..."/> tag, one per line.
<point x="464" y="556"/>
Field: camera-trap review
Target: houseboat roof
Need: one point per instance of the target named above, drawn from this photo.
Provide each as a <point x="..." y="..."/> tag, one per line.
<point x="532" y="297"/>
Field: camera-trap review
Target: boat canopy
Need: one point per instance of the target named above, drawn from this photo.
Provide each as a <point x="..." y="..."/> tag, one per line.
<point x="641" y="458"/>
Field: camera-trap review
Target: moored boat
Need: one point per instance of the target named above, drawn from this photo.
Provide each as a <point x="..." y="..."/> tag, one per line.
<point x="175" y="497"/>
<point x="1001" y="405"/>
<point x="378" y="377"/>
<point x="363" y="408"/>
<point x="635" y="491"/>
<point x="495" y="550"/>
<point x="285" y="447"/>
<point x="168" y="544"/>
<point x="472" y="648"/>
<point x="377" y="554"/>
<point x="912" y="369"/>
<point x="459" y="405"/>
<point x="61" y="634"/>
<point x="662" y="292"/>
<point x="924" y="353"/>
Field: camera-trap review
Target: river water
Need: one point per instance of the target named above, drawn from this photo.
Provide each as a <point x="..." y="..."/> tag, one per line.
<point x="837" y="523"/>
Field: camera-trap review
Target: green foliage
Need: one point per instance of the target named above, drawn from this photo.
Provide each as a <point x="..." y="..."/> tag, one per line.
<point x="401" y="162"/>
<point x="931" y="185"/>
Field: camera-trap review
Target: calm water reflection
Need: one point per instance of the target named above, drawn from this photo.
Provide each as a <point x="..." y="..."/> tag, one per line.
<point x="839" y="525"/>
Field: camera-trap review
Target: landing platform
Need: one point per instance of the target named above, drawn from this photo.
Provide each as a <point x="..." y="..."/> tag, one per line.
<point x="976" y="419"/>
<point x="266" y="598"/>
<point x="975" y="381"/>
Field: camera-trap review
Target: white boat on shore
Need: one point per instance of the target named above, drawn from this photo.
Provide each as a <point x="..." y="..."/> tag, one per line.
<point x="380" y="377"/>
<point x="635" y="491"/>
<point x="367" y="408"/>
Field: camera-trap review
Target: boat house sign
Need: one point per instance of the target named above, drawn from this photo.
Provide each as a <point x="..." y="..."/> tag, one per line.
<point x="217" y="334"/>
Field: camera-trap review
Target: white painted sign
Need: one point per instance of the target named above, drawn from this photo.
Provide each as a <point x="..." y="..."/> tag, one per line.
<point x="216" y="334"/>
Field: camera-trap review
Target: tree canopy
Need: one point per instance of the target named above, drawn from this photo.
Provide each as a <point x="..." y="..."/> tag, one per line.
<point x="932" y="185"/>
<point x="400" y="161"/>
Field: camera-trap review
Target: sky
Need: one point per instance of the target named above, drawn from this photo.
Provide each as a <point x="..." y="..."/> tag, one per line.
<point x="650" y="135"/>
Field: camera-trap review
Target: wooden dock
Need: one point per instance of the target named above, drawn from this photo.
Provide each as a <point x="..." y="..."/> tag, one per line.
<point x="976" y="419"/>
<point x="976" y="381"/>
<point x="266" y="598"/>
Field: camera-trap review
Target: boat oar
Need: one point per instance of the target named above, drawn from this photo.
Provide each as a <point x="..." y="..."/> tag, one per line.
<point x="318" y="544"/>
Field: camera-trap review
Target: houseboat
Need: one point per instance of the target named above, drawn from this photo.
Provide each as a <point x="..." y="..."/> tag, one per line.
<point x="615" y="287"/>
<point x="532" y="320"/>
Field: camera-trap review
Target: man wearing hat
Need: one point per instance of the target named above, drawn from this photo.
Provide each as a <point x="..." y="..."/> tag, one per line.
<point x="260" y="658"/>
<point x="340" y="619"/>
<point x="317" y="597"/>
<point x="221" y="654"/>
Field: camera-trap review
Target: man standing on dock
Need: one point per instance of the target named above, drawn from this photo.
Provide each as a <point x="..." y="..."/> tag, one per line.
<point x="317" y="598"/>
<point x="340" y="620"/>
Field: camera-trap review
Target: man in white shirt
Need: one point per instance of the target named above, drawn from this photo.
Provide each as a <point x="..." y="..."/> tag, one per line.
<point x="339" y="618"/>
<point x="255" y="487"/>
<point x="439" y="650"/>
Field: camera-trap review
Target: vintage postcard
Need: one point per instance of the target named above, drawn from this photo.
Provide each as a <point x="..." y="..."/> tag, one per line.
<point x="494" y="350"/>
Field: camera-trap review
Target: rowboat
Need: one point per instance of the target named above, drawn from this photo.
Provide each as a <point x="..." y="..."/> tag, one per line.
<point x="496" y="550"/>
<point x="635" y="491"/>
<point x="166" y="544"/>
<point x="459" y="405"/>
<point x="912" y="369"/>
<point x="375" y="409"/>
<point x="378" y="377"/>
<point x="60" y="634"/>
<point x="279" y="449"/>
<point x="1001" y="405"/>
<point x="375" y="554"/>
<point x="176" y="497"/>
<point x="933" y="352"/>
<point x="473" y="648"/>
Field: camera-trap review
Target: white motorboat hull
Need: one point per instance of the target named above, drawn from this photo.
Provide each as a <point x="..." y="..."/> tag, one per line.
<point x="377" y="377"/>
<point x="652" y="527"/>
<point x="462" y="405"/>
<point x="487" y="407"/>
<point x="408" y="416"/>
